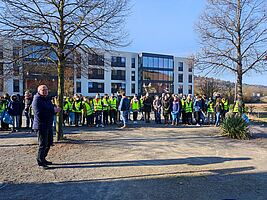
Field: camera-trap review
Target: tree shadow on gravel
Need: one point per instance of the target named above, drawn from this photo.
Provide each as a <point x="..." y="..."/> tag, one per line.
<point x="159" y="162"/>
<point x="221" y="184"/>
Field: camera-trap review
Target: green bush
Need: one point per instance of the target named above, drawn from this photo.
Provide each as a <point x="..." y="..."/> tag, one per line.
<point x="234" y="126"/>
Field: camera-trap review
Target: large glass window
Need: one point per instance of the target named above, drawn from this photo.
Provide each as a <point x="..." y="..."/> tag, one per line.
<point x="78" y="87"/>
<point x="15" y="85"/>
<point x="133" y="88"/>
<point x="180" y="66"/>
<point x="118" y="74"/>
<point x="190" y="78"/>
<point x="133" y="62"/>
<point x="189" y="89"/>
<point x="161" y="63"/>
<point x="156" y="62"/>
<point x="166" y="63"/>
<point x="133" y="75"/>
<point x="117" y="87"/>
<point x="95" y="73"/>
<point x="95" y="59"/>
<point x="180" y="78"/>
<point x="94" y="87"/>
<point x="118" y="61"/>
<point x="180" y="89"/>
<point x="190" y="68"/>
<point x="145" y="61"/>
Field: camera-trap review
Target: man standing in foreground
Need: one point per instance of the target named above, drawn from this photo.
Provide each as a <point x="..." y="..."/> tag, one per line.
<point x="43" y="123"/>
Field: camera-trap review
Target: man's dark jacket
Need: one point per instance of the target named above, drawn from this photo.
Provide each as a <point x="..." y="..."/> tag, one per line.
<point x="43" y="112"/>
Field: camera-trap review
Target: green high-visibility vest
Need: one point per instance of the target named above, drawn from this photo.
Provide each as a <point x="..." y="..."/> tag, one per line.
<point x="135" y="105"/>
<point x="183" y="103"/>
<point x="188" y="106"/>
<point x="67" y="106"/>
<point x="3" y="105"/>
<point x="105" y="104"/>
<point x="236" y="107"/>
<point x="225" y="105"/>
<point x="88" y="108"/>
<point x="98" y="105"/>
<point x="77" y="107"/>
<point x="210" y="107"/>
<point x="113" y="103"/>
<point x="141" y="103"/>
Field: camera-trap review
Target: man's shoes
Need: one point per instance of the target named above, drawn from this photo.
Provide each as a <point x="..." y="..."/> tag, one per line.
<point x="123" y="127"/>
<point x="46" y="162"/>
<point x="43" y="166"/>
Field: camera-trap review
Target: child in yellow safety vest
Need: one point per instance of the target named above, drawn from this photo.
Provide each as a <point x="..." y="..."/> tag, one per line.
<point x="135" y="106"/>
<point x="189" y="109"/>
<point x="88" y="109"/>
<point x="113" y="103"/>
<point x="210" y="111"/>
<point x="106" y="109"/>
<point x="98" y="109"/>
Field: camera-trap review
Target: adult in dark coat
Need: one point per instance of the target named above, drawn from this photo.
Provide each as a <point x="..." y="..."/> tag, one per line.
<point x="43" y="122"/>
<point x="147" y="107"/>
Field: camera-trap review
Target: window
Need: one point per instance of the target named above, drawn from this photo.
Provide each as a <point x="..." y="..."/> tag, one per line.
<point x="180" y="78"/>
<point x="189" y="89"/>
<point x="95" y="59"/>
<point x="161" y="63"/>
<point x="133" y="75"/>
<point x="118" y="61"/>
<point x="190" y="78"/>
<point x="180" y="89"/>
<point x="78" y="87"/>
<point x="15" y="69"/>
<point x="133" y="62"/>
<point x="1" y="69"/>
<point x="116" y="87"/>
<point x="15" y="85"/>
<point x="94" y="73"/>
<point x="133" y="88"/>
<point x="156" y="62"/>
<point x="180" y="66"/>
<point x="145" y="61"/>
<point x="166" y="63"/>
<point x="190" y="68"/>
<point x="78" y="72"/>
<point x="94" y="87"/>
<point x="118" y="74"/>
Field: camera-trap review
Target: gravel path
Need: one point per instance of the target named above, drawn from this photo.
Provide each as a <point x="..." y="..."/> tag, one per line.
<point x="136" y="163"/>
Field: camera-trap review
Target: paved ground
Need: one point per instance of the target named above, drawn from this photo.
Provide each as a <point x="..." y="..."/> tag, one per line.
<point x="137" y="163"/>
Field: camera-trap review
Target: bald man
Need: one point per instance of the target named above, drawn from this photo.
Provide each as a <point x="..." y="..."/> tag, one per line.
<point x="43" y="121"/>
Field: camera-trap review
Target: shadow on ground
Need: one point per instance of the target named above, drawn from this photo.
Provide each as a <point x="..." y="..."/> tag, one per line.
<point x="222" y="184"/>
<point x="158" y="162"/>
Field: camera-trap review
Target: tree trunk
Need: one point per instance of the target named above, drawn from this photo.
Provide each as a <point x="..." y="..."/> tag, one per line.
<point x="60" y="94"/>
<point x="239" y="86"/>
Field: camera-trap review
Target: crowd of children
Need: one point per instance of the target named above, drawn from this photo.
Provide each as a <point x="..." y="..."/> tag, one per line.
<point x="100" y="111"/>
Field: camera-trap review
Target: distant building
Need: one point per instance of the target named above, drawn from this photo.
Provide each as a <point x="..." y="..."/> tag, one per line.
<point x="95" y="72"/>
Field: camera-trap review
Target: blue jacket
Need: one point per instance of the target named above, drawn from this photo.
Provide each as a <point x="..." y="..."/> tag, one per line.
<point x="124" y="104"/>
<point x="176" y="106"/>
<point x="43" y="112"/>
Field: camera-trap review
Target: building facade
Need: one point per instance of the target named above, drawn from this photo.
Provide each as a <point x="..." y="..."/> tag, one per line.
<point x="95" y="72"/>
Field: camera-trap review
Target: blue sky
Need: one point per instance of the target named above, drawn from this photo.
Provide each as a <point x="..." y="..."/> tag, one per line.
<point x="167" y="27"/>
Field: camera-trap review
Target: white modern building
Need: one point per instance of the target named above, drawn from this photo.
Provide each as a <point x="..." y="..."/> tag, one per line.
<point x="99" y="72"/>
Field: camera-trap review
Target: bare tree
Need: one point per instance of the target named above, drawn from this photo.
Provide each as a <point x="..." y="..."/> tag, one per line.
<point x="65" y="26"/>
<point x="233" y="35"/>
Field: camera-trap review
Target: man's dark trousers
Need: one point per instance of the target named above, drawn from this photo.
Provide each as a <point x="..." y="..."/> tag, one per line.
<point x="45" y="140"/>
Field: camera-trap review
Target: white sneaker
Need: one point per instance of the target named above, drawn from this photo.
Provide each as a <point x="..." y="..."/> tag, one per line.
<point x="97" y="126"/>
<point x="102" y="125"/>
<point x="135" y="122"/>
<point x="198" y="125"/>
